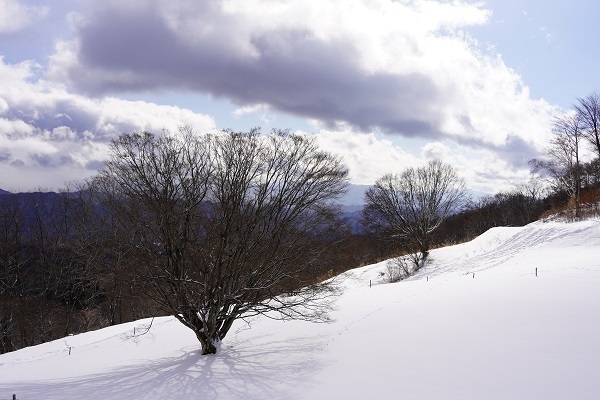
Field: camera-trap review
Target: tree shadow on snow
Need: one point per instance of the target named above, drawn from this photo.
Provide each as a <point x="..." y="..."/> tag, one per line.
<point x="271" y="370"/>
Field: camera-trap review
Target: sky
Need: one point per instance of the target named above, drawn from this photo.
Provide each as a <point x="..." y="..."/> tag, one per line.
<point x="384" y="84"/>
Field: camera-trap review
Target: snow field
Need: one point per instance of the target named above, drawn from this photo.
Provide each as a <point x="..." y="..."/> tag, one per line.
<point x="502" y="334"/>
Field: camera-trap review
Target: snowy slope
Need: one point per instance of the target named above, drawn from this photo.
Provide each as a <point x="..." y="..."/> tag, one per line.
<point x="476" y="323"/>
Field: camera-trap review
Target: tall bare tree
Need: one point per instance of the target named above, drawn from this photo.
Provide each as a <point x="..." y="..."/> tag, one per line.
<point x="588" y="111"/>
<point x="564" y="164"/>
<point x="229" y="225"/>
<point x="410" y="206"/>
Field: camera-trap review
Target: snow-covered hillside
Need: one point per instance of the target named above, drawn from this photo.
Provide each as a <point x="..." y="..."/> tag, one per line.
<point x="476" y="323"/>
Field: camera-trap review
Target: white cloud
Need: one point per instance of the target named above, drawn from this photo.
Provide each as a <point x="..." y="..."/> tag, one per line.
<point x="434" y="150"/>
<point x="45" y="128"/>
<point x="14" y="16"/>
<point x="405" y="68"/>
<point x="63" y="133"/>
<point x="251" y="109"/>
<point x="400" y="67"/>
<point x="263" y="110"/>
<point x="367" y="155"/>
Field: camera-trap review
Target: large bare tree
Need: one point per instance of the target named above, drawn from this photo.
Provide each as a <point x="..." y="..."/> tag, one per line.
<point x="228" y="225"/>
<point x="588" y="112"/>
<point x="411" y="205"/>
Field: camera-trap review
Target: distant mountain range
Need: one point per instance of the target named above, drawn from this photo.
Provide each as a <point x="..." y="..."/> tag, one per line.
<point x="355" y="196"/>
<point x="351" y="203"/>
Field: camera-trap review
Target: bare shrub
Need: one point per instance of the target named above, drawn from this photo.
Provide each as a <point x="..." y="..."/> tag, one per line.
<point x="402" y="267"/>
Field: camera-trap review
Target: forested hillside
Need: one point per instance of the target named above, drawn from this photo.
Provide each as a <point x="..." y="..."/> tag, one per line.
<point x="62" y="270"/>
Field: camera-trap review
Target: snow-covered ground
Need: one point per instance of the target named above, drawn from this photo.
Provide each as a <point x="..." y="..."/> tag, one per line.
<point x="476" y="323"/>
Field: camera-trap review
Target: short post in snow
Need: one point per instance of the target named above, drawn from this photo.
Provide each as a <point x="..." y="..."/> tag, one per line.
<point x="535" y="271"/>
<point x="473" y="275"/>
<point x="69" y="350"/>
<point x="14" y="397"/>
<point x="369" y="283"/>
